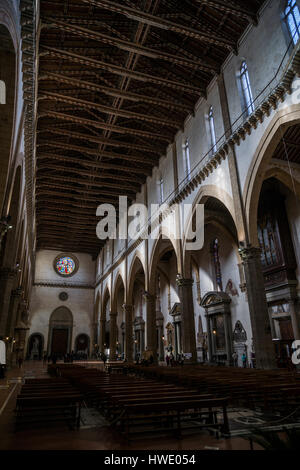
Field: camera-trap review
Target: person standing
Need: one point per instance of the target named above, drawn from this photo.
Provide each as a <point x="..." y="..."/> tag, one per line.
<point x="235" y="359"/>
<point x="167" y="359"/>
<point x="20" y="361"/>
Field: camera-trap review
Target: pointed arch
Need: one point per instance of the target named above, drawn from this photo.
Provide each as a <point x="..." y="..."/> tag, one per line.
<point x="136" y="265"/>
<point x="260" y="161"/>
<point x="106" y="299"/>
<point x="221" y="197"/>
<point x="157" y="252"/>
<point x="117" y="285"/>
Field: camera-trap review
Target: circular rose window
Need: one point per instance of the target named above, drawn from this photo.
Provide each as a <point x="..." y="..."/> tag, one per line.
<point x="65" y="265"/>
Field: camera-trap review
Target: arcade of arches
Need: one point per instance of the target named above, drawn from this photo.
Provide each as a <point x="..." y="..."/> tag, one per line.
<point x="183" y="109"/>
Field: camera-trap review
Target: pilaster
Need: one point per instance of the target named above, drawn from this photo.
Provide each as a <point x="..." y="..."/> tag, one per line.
<point x="258" y="308"/>
<point x="188" y="333"/>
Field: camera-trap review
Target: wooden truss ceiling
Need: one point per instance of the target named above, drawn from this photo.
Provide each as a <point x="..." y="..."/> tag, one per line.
<point x="288" y="148"/>
<point x="116" y="81"/>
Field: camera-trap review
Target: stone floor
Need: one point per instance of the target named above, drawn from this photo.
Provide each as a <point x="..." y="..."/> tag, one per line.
<point x="94" y="433"/>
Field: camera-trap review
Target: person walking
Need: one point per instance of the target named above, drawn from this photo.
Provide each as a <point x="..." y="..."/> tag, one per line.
<point x="244" y="360"/>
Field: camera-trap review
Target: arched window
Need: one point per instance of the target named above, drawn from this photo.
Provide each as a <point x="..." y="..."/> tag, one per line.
<point x="186" y="156"/>
<point x="212" y="129"/>
<point x="246" y="89"/>
<point x="161" y="190"/>
<point x="216" y="262"/>
<point x="292" y="18"/>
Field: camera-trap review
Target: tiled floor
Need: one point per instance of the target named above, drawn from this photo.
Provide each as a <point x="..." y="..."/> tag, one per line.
<point x="94" y="434"/>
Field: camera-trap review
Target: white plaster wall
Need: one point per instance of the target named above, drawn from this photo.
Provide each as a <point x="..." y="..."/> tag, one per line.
<point x="45" y="300"/>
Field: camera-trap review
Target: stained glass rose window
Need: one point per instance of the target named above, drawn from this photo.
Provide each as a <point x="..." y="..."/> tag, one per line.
<point x="65" y="265"/>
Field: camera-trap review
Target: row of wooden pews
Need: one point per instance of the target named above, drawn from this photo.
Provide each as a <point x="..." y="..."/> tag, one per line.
<point x="47" y="401"/>
<point x="273" y="390"/>
<point x="137" y="406"/>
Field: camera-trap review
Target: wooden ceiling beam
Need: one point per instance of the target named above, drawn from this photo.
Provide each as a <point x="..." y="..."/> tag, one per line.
<point x="57" y="232"/>
<point x="127" y="45"/>
<point x="233" y="8"/>
<point x="98" y="153"/>
<point x="114" y="92"/>
<point x="78" y="171"/>
<point x="46" y="51"/>
<point x="80" y="197"/>
<point x="83" y="191"/>
<point x="51" y="234"/>
<point x="108" y="127"/>
<point x="44" y="203"/>
<point x="95" y="164"/>
<point x="84" y="104"/>
<point x="161" y="23"/>
<point x="88" y="182"/>
<point x="66" y="216"/>
<point x="57" y="223"/>
<point x="102" y="140"/>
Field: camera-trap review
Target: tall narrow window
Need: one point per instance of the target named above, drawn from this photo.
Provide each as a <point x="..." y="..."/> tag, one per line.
<point x="292" y="18"/>
<point x="217" y="265"/>
<point x="246" y="89"/>
<point x="187" y="163"/>
<point x="161" y="190"/>
<point x="212" y="129"/>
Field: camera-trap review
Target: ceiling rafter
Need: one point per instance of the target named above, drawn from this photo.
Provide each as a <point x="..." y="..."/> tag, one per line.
<point x="47" y="184"/>
<point x="47" y="51"/>
<point x="95" y="164"/>
<point x="127" y="45"/>
<point x="157" y="22"/>
<point x="102" y="140"/>
<point x="233" y="8"/>
<point x="101" y="125"/>
<point x="111" y="91"/>
<point x="47" y="95"/>
<point x="88" y="182"/>
<point x="79" y="171"/>
<point x="97" y="153"/>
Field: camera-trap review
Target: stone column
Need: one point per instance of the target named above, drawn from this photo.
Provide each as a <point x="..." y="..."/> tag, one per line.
<point x="7" y="279"/>
<point x="151" y="323"/>
<point x="12" y="320"/>
<point x="188" y="331"/>
<point x="128" y="332"/>
<point x="258" y="308"/>
<point x="102" y="334"/>
<point x="228" y="338"/>
<point x="16" y="295"/>
<point x="209" y="338"/>
<point x="294" y="319"/>
<point x="113" y="336"/>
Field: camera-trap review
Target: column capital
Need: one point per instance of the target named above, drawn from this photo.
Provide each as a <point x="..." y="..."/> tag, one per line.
<point x="249" y="252"/>
<point x="149" y="297"/>
<point x="127" y="308"/>
<point x="182" y="282"/>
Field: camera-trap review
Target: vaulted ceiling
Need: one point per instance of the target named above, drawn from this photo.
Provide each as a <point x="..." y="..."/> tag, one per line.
<point x="115" y="83"/>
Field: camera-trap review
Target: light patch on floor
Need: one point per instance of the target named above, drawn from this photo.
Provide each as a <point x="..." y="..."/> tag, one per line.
<point x="90" y="418"/>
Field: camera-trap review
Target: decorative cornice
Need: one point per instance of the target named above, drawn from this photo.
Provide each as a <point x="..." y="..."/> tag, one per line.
<point x="63" y="285"/>
<point x="28" y="34"/>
